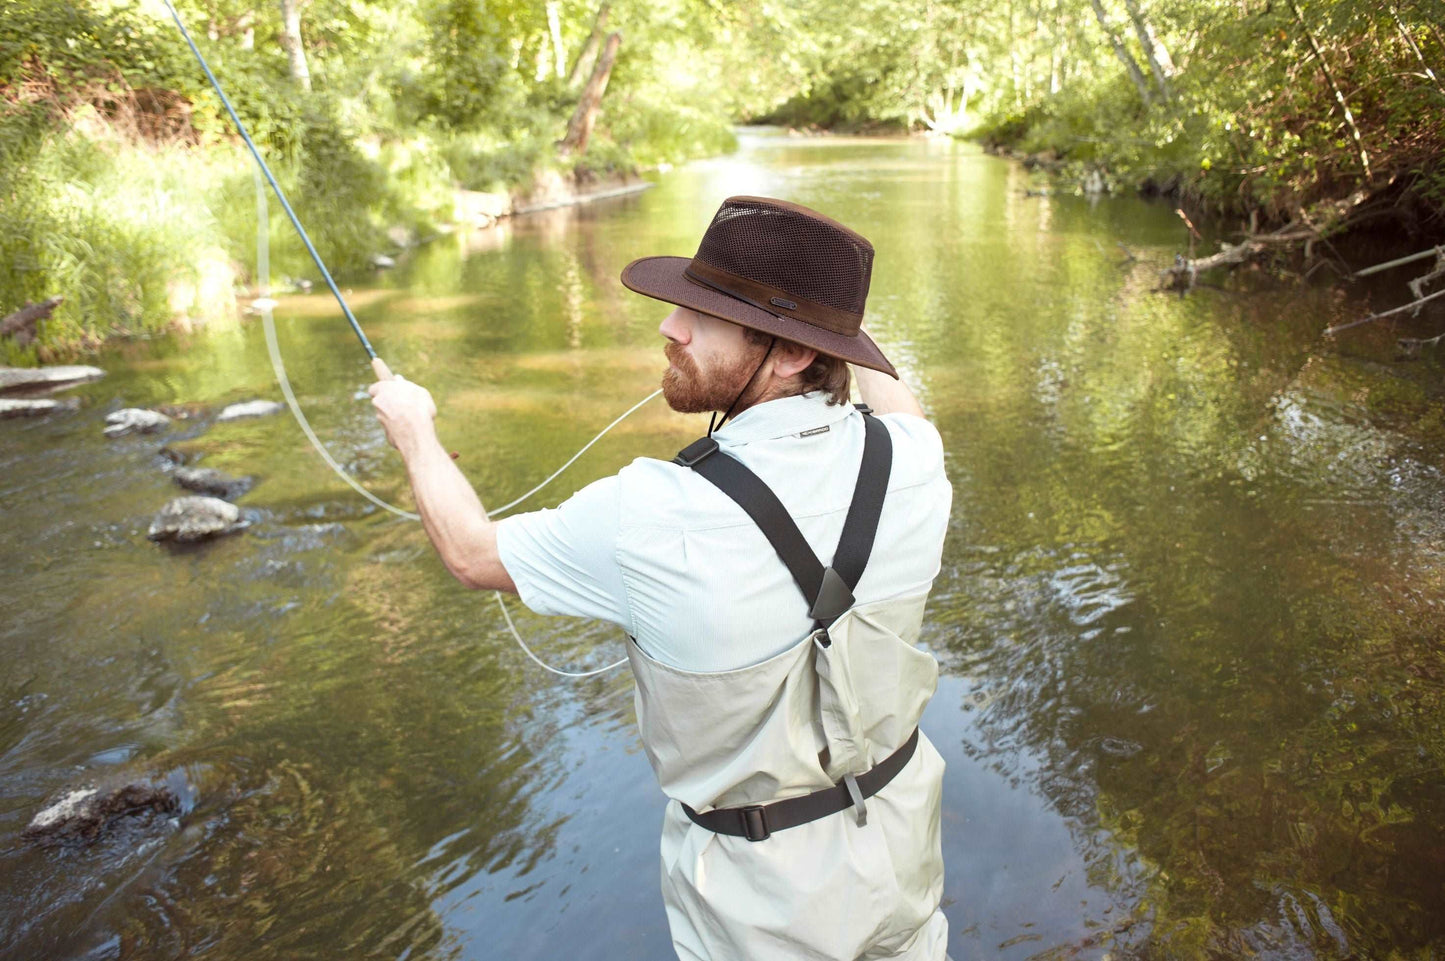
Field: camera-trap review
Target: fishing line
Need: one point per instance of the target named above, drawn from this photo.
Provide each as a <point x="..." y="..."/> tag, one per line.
<point x="266" y="305"/>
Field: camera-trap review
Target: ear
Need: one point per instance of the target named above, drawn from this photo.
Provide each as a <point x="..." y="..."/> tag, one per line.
<point x="791" y="359"/>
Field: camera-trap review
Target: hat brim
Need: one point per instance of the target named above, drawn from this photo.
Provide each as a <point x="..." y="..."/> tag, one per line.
<point x="663" y="278"/>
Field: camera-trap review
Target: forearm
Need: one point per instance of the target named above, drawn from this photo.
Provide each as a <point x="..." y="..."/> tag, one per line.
<point x="884" y="394"/>
<point x="453" y="516"/>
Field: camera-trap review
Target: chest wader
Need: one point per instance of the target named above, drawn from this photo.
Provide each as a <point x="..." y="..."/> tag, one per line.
<point x="759" y="859"/>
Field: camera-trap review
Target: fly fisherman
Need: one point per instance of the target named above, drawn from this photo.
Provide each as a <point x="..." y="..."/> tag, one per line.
<point x="771" y="579"/>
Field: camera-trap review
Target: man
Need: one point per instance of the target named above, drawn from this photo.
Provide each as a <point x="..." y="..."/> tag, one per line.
<point x="771" y="580"/>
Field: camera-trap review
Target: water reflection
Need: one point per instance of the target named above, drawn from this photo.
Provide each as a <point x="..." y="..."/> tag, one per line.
<point x="1188" y="610"/>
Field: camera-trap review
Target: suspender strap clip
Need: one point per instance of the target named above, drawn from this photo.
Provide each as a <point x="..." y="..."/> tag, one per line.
<point x="696" y="452"/>
<point x="834" y="598"/>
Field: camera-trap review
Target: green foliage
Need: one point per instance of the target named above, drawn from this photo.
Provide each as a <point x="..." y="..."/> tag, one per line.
<point x="110" y="228"/>
<point x="101" y="100"/>
<point x="1250" y="121"/>
<point x="411" y="100"/>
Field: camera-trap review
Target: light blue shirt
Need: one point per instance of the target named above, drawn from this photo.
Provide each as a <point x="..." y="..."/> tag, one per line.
<point x="673" y="561"/>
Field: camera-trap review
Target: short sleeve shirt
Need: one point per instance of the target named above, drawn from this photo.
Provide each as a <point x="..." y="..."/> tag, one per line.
<point x="672" y="560"/>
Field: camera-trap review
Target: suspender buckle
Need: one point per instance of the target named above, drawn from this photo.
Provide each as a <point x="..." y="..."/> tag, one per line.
<point x="696" y="451"/>
<point x="755" y="823"/>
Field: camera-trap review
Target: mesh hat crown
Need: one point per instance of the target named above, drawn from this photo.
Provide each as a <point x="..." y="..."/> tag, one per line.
<point x="776" y="267"/>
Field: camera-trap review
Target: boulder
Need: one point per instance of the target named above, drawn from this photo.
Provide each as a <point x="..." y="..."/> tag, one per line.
<point x="189" y="519"/>
<point x="15" y="379"/>
<point x="134" y="420"/>
<point x="251" y="408"/>
<point x="85" y="811"/>
<point x="34" y="408"/>
<point x="206" y="480"/>
<point x="181" y="454"/>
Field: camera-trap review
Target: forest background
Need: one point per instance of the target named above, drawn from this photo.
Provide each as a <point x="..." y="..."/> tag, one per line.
<point x="124" y="189"/>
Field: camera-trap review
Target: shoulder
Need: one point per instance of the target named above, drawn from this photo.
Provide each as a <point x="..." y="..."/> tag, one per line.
<point x="659" y="494"/>
<point x="917" y="447"/>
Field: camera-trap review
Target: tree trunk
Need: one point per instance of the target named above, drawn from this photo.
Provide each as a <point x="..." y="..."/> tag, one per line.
<point x="1339" y="97"/>
<point x="589" y="49"/>
<point x="1122" y="52"/>
<point x="554" y="27"/>
<point x="247" y="25"/>
<point x="291" y="40"/>
<point x="579" y="129"/>
<point x="1414" y="48"/>
<point x="1160" y="63"/>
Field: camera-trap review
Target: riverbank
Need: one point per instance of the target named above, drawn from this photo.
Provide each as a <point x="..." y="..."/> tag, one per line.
<point x="140" y="239"/>
<point x="125" y="190"/>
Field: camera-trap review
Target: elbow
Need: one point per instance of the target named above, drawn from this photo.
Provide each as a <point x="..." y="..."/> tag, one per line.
<point x="481" y="576"/>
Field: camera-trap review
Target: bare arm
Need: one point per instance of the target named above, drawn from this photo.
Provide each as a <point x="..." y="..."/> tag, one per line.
<point x="884" y="394"/>
<point x="450" y="510"/>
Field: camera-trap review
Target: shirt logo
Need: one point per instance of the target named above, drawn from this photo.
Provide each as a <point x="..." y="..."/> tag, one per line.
<point x="816" y="430"/>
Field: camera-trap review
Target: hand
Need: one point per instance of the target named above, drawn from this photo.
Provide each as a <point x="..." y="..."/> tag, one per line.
<point x="406" y="410"/>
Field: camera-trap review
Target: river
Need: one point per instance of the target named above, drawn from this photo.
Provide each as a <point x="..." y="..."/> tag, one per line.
<point x="1189" y="614"/>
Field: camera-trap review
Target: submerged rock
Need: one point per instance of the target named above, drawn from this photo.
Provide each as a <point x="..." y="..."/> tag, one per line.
<point x="46" y="378"/>
<point x="85" y="811"/>
<point x="206" y="480"/>
<point x="189" y="519"/>
<point x="251" y="408"/>
<point x="134" y="420"/>
<point x="34" y="408"/>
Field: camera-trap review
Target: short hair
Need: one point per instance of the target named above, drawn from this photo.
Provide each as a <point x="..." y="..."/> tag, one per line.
<point x="828" y="374"/>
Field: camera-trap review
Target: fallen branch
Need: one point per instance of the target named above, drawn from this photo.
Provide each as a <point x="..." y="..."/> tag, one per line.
<point x="1410" y="346"/>
<point x="21" y="324"/>
<point x="1184" y="273"/>
<point x="1417" y="286"/>
<point x="1413" y="306"/>
<point x="1402" y="261"/>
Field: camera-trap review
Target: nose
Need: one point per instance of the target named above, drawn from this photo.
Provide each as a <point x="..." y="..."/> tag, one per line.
<point x="677" y="326"/>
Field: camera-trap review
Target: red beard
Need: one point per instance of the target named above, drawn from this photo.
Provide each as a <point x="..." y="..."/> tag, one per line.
<point x="688" y="390"/>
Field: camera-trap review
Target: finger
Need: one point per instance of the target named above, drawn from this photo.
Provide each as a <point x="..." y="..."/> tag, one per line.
<point x="379" y="367"/>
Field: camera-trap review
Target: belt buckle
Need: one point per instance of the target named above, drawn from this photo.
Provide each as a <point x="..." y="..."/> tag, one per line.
<point x="755" y="823"/>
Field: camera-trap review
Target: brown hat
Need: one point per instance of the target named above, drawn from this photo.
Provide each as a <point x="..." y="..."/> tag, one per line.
<point x="775" y="267"/>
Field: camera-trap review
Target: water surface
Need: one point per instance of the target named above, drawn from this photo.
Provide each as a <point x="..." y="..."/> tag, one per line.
<point x="1189" y="612"/>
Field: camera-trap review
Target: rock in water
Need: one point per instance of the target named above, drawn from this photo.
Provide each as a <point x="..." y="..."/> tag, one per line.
<point x="85" y="811"/>
<point x="251" y="408"/>
<point x="46" y="378"/>
<point x="205" y="480"/>
<point x="189" y="519"/>
<point x="34" y="408"/>
<point x="134" y="420"/>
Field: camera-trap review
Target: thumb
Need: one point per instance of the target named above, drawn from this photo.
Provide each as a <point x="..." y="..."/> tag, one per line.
<point x="382" y="371"/>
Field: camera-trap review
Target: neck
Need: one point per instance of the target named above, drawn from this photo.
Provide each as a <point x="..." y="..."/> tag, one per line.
<point x="775" y="388"/>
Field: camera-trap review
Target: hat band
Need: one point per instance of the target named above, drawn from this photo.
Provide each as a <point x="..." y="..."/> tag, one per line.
<point x="764" y="297"/>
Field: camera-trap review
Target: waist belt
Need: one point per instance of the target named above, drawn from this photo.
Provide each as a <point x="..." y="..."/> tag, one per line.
<point x="757" y="822"/>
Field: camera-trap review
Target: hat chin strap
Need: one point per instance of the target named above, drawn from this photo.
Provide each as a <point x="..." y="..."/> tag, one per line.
<point x="713" y="422"/>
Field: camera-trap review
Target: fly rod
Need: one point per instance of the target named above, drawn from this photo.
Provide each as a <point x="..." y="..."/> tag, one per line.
<point x="270" y="178"/>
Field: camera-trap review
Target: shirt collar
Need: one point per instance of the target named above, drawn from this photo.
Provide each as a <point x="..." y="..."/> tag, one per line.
<point x="780" y="418"/>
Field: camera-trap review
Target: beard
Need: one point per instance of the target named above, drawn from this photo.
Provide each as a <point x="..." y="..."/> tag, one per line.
<point x="688" y="390"/>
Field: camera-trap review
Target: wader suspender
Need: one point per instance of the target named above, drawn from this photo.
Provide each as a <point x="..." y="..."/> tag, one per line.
<point x="829" y="592"/>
